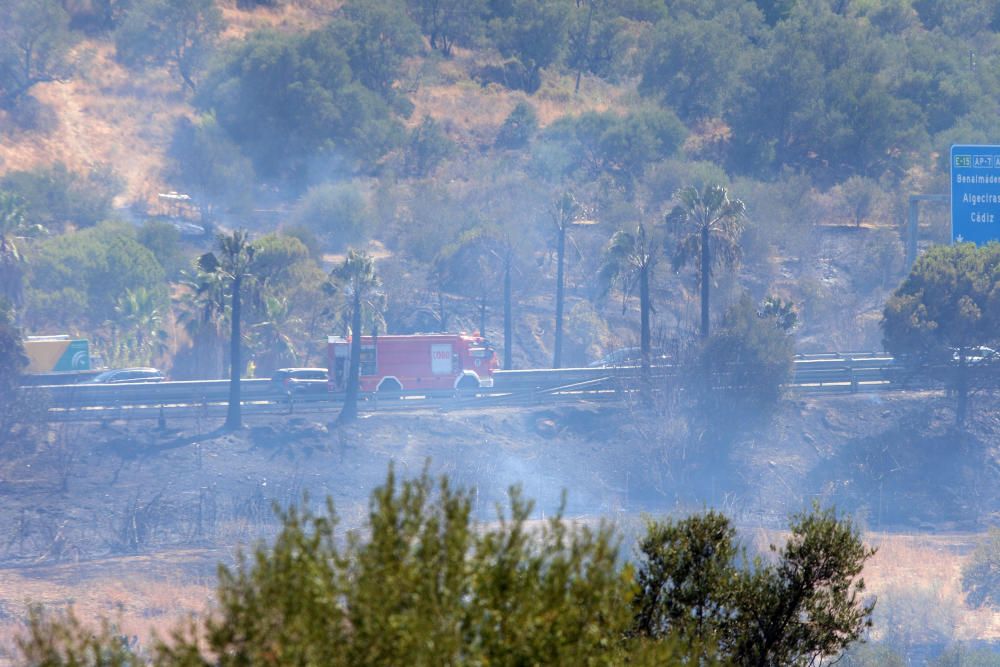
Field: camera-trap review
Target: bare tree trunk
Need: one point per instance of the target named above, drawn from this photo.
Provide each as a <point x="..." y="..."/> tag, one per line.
<point x="560" y="296"/>
<point x="442" y="316"/>
<point x="350" y="410"/>
<point x="962" y="390"/>
<point x="234" y="416"/>
<point x="508" y="324"/>
<point x="644" y="308"/>
<point x="706" y="269"/>
<point x="482" y="315"/>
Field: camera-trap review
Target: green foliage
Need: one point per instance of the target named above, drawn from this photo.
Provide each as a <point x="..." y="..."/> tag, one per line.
<point x="781" y="312"/>
<point x="359" y="286"/>
<point x="802" y="605"/>
<point x="423" y="583"/>
<point x="518" y="128"/>
<point x="981" y="575"/>
<point x="377" y="36"/>
<point x="337" y="212"/>
<point x="178" y="33"/>
<point x="427" y="147"/>
<point x="600" y="33"/>
<point x="234" y="268"/>
<point x="137" y="335"/>
<point x="76" y="279"/>
<point x="12" y="358"/>
<point x="534" y="33"/>
<point x="448" y="23"/>
<point x="745" y="361"/>
<point x="57" y="640"/>
<point x="584" y="147"/>
<point x="164" y="241"/>
<point x="818" y="99"/>
<point x="12" y="223"/>
<point x="54" y="196"/>
<point x="291" y="104"/>
<point x="688" y="583"/>
<point x="209" y="165"/>
<point x="708" y="225"/>
<point x="947" y="302"/>
<point x="277" y="258"/>
<point x="35" y="44"/>
<point x="776" y="10"/>
<point x="958" y="17"/>
<point x="695" y="65"/>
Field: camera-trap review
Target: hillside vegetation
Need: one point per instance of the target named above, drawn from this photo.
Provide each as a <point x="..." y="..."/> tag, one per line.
<point x="441" y="135"/>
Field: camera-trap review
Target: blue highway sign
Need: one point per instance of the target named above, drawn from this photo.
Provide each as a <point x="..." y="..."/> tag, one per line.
<point x="975" y="194"/>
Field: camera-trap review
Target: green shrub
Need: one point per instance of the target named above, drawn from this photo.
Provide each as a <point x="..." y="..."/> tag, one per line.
<point x="745" y="361"/>
<point x="55" y="195"/>
<point x="336" y="212"/>
<point x="518" y="128"/>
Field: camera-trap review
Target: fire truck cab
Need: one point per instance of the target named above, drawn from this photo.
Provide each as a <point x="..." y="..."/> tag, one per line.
<point x="417" y="361"/>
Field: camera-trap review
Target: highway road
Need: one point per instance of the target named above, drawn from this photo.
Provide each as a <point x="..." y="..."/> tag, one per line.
<point x="820" y="373"/>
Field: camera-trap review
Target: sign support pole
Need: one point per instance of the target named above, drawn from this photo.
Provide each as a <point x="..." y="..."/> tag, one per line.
<point x="913" y="225"/>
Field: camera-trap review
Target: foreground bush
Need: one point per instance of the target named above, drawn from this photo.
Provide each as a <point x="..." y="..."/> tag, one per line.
<point x="423" y="585"/>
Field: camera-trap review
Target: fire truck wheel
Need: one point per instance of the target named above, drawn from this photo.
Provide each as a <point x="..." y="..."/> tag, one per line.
<point x="388" y="387"/>
<point x="468" y="383"/>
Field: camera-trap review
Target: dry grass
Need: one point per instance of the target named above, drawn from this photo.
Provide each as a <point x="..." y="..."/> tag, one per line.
<point x="107" y="114"/>
<point x="291" y="16"/>
<point x="141" y="595"/>
<point x="930" y="567"/>
<point x="920" y="577"/>
<point x="442" y="88"/>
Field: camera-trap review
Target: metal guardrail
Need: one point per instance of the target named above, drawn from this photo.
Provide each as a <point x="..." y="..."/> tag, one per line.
<point x="812" y="373"/>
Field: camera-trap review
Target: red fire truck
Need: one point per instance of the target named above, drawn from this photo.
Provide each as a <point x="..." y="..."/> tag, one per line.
<point x="417" y="361"/>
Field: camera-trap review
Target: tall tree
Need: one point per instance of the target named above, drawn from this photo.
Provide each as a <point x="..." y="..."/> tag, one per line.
<point x="360" y="284"/>
<point x="138" y="325"/>
<point x="629" y="260"/>
<point x="449" y="22"/>
<point x="12" y="221"/>
<point x="12" y="362"/>
<point x="944" y="310"/>
<point x="696" y="583"/>
<point x="377" y="36"/>
<point x="565" y="213"/>
<point x="177" y="33"/>
<point x="35" y="42"/>
<point x="705" y="221"/>
<point x="273" y="339"/>
<point x="533" y="32"/>
<point x="203" y="314"/>
<point x="235" y="264"/>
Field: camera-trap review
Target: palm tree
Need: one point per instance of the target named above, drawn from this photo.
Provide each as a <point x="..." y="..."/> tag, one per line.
<point x="629" y="260"/>
<point x="707" y="220"/>
<point x="204" y="316"/>
<point x="360" y="284"/>
<point x="564" y="214"/>
<point x="234" y="264"/>
<point x="508" y="254"/>
<point x="140" y="316"/>
<point x="273" y="339"/>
